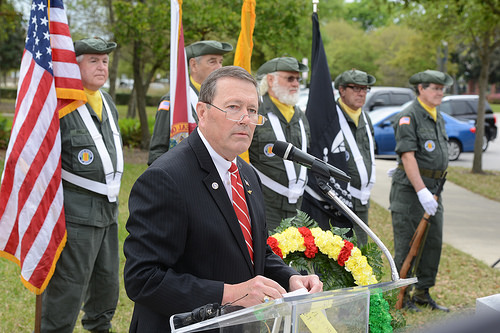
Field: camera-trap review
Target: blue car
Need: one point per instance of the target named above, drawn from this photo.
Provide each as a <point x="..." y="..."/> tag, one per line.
<point x="461" y="134"/>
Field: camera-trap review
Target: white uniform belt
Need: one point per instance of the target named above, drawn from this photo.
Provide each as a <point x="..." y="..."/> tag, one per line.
<point x="367" y="182"/>
<point x="293" y="193"/>
<point x="111" y="189"/>
<point x="296" y="184"/>
<point x="113" y="178"/>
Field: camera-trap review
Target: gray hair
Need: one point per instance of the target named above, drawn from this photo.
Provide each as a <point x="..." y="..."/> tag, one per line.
<point x="79" y="58"/>
<point x="424" y="86"/>
<point x="208" y="87"/>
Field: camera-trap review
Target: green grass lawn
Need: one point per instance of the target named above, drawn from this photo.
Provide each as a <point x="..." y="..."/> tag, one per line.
<point x="495" y="108"/>
<point x="460" y="281"/>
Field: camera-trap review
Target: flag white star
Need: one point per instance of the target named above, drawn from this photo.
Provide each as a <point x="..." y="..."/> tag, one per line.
<point x="50" y="64"/>
<point x="44" y="20"/>
<point x="49" y="50"/>
<point x="46" y="35"/>
<point x="33" y="20"/>
<point x="38" y="54"/>
<point x="36" y="40"/>
<point x="41" y="6"/>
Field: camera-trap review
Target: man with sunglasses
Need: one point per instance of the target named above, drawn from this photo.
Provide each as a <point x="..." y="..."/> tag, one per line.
<point x="283" y="181"/>
<point x="422" y="148"/>
<point x="203" y="58"/>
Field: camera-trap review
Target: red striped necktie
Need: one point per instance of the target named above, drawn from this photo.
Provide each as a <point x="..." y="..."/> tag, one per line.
<point x="240" y="207"/>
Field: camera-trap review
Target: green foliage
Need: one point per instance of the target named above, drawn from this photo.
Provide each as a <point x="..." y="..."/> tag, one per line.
<point x="12" y="37"/>
<point x="332" y="274"/>
<point x="5" y="127"/>
<point x="130" y="129"/>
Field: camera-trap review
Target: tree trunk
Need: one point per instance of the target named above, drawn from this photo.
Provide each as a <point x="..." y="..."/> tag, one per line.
<point x="141" y="96"/>
<point x="132" y="105"/>
<point x="113" y="71"/>
<point x="484" y="54"/>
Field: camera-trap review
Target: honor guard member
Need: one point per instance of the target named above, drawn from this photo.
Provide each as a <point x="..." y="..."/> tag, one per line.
<point x="92" y="165"/>
<point x="353" y="85"/>
<point x="422" y="148"/>
<point x="203" y="58"/>
<point x="283" y="180"/>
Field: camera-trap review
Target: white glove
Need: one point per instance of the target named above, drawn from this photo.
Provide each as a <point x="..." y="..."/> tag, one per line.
<point x="427" y="201"/>
<point x="391" y="171"/>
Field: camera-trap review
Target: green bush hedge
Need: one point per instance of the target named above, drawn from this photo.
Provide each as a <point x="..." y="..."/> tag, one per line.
<point x="130" y="129"/>
<point x="121" y="98"/>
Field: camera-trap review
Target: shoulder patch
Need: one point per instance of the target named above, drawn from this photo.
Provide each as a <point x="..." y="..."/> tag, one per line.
<point x="164" y="105"/>
<point x="404" y="121"/>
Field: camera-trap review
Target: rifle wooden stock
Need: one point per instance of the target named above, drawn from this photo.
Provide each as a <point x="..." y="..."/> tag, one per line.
<point x="416" y="245"/>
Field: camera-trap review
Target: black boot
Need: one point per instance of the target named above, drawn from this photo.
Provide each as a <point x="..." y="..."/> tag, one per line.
<point x="408" y="303"/>
<point x="422" y="297"/>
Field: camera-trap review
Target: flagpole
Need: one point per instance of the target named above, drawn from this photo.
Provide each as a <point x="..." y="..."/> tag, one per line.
<point x="38" y="313"/>
<point x="315" y="5"/>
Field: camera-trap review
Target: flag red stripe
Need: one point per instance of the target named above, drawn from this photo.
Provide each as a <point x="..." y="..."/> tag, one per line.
<point x="47" y="260"/>
<point x="180" y="105"/>
<point x="63" y="56"/>
<point x="10" y="165"/>
<point x="67" y="83"/>
<point x="29" y="181"/>
<point x="22" y="137"/>
<point x="59" y="28"/>
<point x="24" y="86"/>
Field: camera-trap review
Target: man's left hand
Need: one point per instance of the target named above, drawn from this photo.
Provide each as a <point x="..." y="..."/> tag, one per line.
<point x="310" y="282"/>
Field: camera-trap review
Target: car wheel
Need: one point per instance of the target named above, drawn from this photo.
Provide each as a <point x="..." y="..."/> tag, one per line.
<point x="485" y="143"/>
<point x="454" y="150"/>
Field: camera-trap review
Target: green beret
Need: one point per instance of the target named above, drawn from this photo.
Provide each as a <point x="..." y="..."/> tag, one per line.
<point x="286" y="64"/>
<point x="354" y="76"/>
<point x="207" y="47"/>
<point x="431" y="76"/>
<point x="94" y="45"/>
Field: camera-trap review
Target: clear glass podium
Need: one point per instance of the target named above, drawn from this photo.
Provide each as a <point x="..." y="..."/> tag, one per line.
<point x="342" y="310"/>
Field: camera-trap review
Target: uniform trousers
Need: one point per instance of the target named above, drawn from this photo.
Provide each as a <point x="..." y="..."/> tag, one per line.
<point x="407" y="212"/>
<point x="86" y="272"/>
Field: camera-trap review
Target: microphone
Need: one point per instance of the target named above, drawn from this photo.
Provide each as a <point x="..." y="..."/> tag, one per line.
<point x="287" y="151"/>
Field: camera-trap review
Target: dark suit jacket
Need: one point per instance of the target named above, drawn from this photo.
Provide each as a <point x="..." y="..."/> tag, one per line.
<point x="185" y="241"/>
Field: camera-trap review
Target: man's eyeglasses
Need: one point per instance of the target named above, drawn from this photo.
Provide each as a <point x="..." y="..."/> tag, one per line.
<point x="357" y="89"/>
<point x="292" y="78"/>
<point x="237" y="114"/>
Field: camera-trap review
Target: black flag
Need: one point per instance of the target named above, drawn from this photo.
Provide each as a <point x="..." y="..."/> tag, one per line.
<point x="327" y="140"/>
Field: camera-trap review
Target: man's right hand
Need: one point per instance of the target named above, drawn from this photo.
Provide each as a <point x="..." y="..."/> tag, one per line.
<point x="252" y="292"/>
<point x="427" y="201"/>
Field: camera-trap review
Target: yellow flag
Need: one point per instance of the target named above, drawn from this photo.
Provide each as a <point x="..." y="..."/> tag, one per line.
<point x="243" y="54"/>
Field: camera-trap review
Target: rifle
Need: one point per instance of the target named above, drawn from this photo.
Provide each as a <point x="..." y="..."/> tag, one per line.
<point x="416" y="247"/>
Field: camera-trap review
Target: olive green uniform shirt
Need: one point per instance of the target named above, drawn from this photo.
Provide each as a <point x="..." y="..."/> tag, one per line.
<point x="160" y="140"/>
<point x="261" y="157"/>
<point x="415" y="130"/>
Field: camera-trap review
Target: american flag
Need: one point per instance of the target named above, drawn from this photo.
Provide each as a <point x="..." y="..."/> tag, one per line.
<point x="32" y="225"/>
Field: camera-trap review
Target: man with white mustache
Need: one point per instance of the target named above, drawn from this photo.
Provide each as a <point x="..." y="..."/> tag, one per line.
<point x="283" y="185"/>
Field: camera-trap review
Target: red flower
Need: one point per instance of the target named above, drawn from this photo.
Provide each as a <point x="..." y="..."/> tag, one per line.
<point x="311" y="248"/>
<point x="345" y="253"/>
<point x="273" y="243"/>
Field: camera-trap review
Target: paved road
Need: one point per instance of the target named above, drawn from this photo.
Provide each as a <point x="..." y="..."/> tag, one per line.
<point x="472" y="222"/>
<point x="490" y="158"/>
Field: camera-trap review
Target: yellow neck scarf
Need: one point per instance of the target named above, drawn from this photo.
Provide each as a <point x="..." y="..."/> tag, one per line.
<point x="286" y="110"/>
<point x="195" y="84"/>
<point x="95" y="101"/>
<point x="431" y="111"/>
<point x="354" y="114"/>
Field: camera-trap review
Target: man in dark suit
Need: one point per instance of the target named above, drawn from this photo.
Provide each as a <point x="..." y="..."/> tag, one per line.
<point x="186" y="247"/>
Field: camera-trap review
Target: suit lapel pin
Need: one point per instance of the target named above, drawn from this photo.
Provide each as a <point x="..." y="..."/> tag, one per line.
<point x="249" y="191"/>
<point x="215" y="185"/>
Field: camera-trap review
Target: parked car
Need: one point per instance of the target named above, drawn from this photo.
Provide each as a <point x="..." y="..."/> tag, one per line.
<point x="461" y="134"/>
<point x="464" y="107"/>
<point x="379" y="97"/>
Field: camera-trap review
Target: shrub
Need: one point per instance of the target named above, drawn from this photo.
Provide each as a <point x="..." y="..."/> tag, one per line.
<point x="130" y="129"/>
<point x="5" y="127"/>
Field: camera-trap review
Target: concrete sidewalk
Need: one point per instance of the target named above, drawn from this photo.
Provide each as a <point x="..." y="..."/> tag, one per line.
<point x="471" y="222"/>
